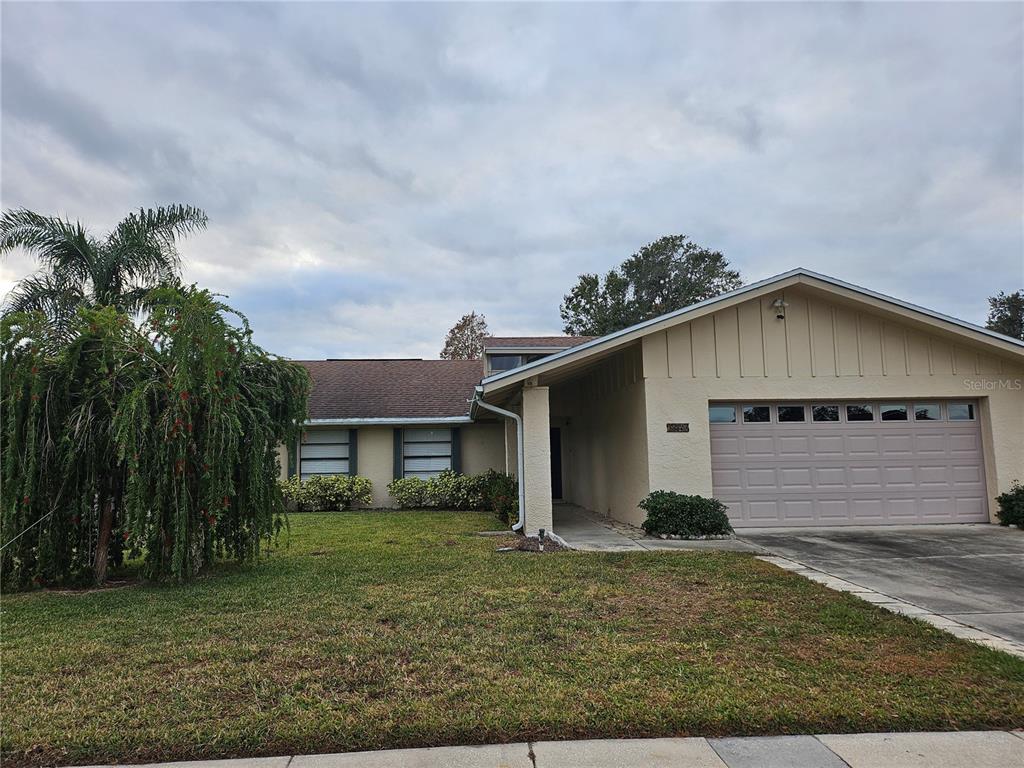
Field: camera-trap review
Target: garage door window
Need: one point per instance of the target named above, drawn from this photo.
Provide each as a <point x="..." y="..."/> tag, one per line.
<point x="791" y="413"/>
<point x="860" y="413"/>
<point x="960" y="411"/>
<point x="756" y="414"/>
<point x="825" y="412"/>
<point x="927" y="412"/>
<point x="893" y="412"/>
<point x="722" y="414"/>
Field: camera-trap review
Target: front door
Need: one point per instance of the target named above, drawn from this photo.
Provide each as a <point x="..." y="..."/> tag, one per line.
<point x="556" y="463"/>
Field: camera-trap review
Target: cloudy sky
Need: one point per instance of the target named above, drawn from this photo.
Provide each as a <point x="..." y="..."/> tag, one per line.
<point x="372" y="172"/>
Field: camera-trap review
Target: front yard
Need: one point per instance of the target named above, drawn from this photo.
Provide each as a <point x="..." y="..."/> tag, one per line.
<point x="378" y="630"/>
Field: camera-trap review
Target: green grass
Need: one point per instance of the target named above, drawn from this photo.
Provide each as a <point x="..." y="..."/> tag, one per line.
<point x="378" y="630"/>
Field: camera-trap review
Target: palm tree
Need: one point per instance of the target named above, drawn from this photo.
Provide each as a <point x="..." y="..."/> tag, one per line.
<point x="79" y="269"/>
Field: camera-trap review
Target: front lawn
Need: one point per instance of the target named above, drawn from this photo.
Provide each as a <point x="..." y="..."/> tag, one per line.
<point x="378" y="630"/>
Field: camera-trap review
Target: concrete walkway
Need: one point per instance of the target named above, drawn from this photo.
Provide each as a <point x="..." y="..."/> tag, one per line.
<point x="587" y="532"/>
<point x="977" y="749"/>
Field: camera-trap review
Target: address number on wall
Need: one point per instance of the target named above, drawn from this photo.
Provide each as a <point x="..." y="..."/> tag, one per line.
<point x="677" y="427"/>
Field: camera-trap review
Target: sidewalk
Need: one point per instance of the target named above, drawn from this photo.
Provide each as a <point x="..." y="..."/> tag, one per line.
<point x="976" y="749"/>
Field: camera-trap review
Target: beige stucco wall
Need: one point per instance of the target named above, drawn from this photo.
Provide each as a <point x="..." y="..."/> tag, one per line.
<point x="483" y="447"/>
<point x="602" y="415"/>
<point x="376" y="461"/>
<point x="823" y="349"/>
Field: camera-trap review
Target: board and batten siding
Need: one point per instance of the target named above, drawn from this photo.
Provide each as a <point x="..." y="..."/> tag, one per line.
<point x="826" y="347"/>
<point x="817" y="338"/>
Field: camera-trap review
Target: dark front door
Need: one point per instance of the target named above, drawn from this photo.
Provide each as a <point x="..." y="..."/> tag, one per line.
<point x="556" y="463"/>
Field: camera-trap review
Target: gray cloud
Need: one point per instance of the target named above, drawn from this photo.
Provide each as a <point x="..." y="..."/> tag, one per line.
<point x="373" y="171"/>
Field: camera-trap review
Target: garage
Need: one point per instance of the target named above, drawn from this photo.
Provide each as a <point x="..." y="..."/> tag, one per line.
<point x="829" y="463"/>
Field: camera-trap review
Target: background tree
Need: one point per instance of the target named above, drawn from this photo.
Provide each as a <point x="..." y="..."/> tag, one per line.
<point x="1006" y="314"/>
<point x="465" y="340"/>
<point x="665" y="275"/>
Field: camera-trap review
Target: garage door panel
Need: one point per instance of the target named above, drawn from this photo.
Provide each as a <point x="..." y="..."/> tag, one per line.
<point x="863" y="445"/>
<point x="795" y="478"/>
<point x="867" y="510"/>
<point x="897" y="445"/>
<point x="828" y="445"/>
<point x="795" y="447"/>
<point x="934" y="444"/>
<point x="758" y="446"/>
<point x="829" y="477"/>
<point x="969" y="475"/>
<point x="902" y="510"/>
<point x="961" y="444"/>
<point x="899" y="477"/>
<point x="866" y="477"/>
<point x="726" y="480"/>
<point x="725" y="446"/>
<point x="969" y="507"/>
<point x="843" y="473"/>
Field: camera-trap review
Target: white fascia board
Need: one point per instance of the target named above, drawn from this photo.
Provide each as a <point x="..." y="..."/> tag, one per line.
<point x="793" y="276"/>
<point x="388" y="422"/>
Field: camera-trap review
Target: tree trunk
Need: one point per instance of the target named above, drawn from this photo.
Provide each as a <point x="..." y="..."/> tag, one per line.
<point x="103" y="543"/>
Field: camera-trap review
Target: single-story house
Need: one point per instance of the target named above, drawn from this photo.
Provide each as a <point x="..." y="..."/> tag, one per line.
<point x="799" y="400"/>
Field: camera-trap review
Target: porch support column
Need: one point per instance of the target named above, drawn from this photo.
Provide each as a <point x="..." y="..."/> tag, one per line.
<point x="537" y="459"/>
<point x="511" y="454"/>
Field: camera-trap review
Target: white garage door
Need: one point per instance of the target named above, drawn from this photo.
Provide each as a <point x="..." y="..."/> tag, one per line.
<point x="848" y="463"/>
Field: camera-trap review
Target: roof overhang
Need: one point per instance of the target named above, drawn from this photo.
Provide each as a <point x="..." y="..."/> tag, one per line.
<point x="799" y="276"/>
<point x="389" y="421"/>
<point x="523" y="350"/>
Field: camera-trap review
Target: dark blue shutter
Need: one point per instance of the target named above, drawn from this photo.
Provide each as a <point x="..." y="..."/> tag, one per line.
<point x="398" y="469"/>
<point x="353" y="452"/>
<point x="456" y="449"/>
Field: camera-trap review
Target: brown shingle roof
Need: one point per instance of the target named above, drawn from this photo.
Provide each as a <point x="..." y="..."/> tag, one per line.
<point x="375" y="389"/>
<point x="536" y="341"/>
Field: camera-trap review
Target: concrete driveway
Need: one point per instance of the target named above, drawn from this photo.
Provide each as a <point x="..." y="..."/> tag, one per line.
<point x="971" y="573"/>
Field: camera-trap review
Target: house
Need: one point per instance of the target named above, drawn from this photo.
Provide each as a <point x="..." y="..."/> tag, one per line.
<point x="798" y="400"/>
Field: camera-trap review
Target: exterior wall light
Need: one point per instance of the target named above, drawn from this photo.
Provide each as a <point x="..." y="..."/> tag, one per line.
<point x="780" y="308"/>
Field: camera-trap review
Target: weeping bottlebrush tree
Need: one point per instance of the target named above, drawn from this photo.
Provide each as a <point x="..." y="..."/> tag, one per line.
<point x="155" y="439"/>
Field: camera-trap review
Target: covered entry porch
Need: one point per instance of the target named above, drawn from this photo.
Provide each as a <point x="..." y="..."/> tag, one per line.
<point x="584" y="435"/>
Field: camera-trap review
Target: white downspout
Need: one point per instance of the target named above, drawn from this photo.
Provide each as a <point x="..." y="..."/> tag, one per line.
<point x="519" y="456"/>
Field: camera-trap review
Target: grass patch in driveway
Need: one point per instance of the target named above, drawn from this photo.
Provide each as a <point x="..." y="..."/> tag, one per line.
<point x="380" y="630"/>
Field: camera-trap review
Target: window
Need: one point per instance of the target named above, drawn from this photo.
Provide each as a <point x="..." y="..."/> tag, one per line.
<point x="791" y="413"/>
<point x="324" y="452"/>
<point x="825" y="412"/>
<point x="426" y="452"/>
<point x="960" y="411"/>
<point x="891" y="412"/>
<point x="756" y="414"/>
<point x="926" y="412"/>
<point x="860" y="413"/>
<point x="503" y="362"/>
<point x="722" y="414"/>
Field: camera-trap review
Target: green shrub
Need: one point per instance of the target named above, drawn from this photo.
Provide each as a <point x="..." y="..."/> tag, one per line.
<point x="676" y="514"/>
<point x="501" y="494"/>
<point x="326" y="492"/>
<point x="1011" y="506"/>
<point x="409" y="492"/>
<point x="454" y="491"/>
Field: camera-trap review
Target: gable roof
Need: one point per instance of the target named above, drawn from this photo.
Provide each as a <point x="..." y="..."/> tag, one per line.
<point x="394" y="391"/>
<point x="529" y="342"/>
<point x="796" y="276"/>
